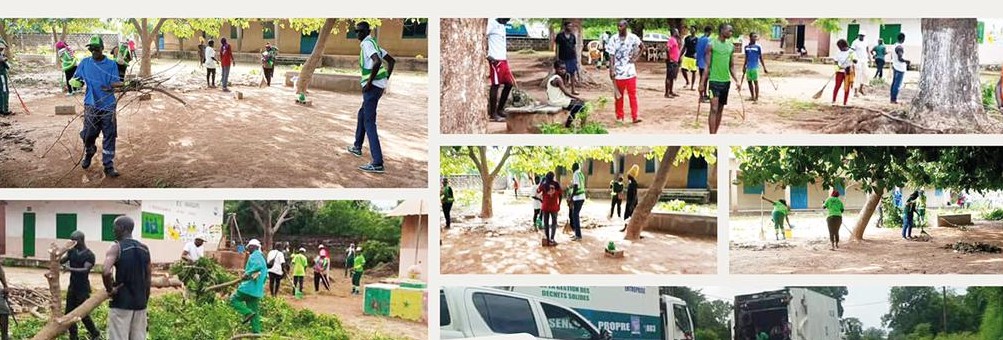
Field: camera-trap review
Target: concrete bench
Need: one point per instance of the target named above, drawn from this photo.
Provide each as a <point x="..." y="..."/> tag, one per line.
<point x="329" y="82"/>
<point x="528" y="119"/>
<point x="682" y="224"/>
<point x="954" y="220"/>
<point x="687" y="195"/>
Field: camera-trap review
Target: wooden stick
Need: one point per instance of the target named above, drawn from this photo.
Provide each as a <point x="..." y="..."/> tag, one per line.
<point x="224" y="284"/>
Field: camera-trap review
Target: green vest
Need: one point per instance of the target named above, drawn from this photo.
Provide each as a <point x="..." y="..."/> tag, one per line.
<point x="67" y="59"/>
<point x="381" y="74"/>
<point x="124" y="57"/>
<point x="581" y="183"/>
<point x="360" y="263"/>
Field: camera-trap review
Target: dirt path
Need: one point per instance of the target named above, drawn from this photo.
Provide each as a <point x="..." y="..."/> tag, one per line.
<point x="264" y="140"/>
<point x="505" y="245"/>
<point x="883" y="252"/>
<point x="789" y="107"/>
<point x="348" y="308"/>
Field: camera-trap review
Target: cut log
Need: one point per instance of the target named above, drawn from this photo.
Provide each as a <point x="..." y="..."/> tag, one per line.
<point x="66" y="110"/>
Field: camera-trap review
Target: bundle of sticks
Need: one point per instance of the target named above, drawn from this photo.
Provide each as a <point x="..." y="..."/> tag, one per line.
<point x="28" y="300"/>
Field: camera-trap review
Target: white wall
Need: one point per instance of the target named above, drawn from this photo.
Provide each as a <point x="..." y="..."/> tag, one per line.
<point x="991" y="49"/>
<point x="202" y="216"/>
<point x="911" y="27"/>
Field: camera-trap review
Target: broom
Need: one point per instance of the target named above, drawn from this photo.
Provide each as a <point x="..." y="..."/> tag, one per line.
<point x="762" y="216"/>
<point x="819" y="93"/>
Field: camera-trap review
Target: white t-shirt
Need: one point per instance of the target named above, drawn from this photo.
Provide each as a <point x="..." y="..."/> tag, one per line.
<point x="843" y="59"/>
<point x="497" y="47"/>
<point x="860" y="50"/>
<point x="621" y="48"/>
<point x="896" y="64"/>
<point x="368" y="50"/>
<point x="209" y="54"/>
<point x="194" y="252"/>
<point x="538" y="197"/>
<point x="279" y="258"/>
<point x="576" y="179"/>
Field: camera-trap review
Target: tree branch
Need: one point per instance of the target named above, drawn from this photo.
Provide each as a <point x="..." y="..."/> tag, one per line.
<point x="498" y="167"/>
<point x="470" y="153"/>
<point x="283" y="218"/>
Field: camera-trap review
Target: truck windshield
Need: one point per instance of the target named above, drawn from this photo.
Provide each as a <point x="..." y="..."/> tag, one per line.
<point x="682" y="315"/>
<point x="566" y="325"/>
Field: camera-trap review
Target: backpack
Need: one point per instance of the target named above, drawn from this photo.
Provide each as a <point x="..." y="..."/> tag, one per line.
<point x="271" y="260"/>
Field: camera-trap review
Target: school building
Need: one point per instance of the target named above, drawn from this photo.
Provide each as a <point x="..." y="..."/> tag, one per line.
<point x="401" y="37"/>
<point x="27" y="228"/>
<point x="809" y="196"/>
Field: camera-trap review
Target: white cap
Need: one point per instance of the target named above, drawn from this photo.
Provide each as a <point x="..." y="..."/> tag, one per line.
<point x="321" y="246"/>
<point x="254" y="242"/>
<point x="358" y="248"/>
<point x="200" y="237"/>
<point x="862" y="33"/>
<point x="302" y="249"/>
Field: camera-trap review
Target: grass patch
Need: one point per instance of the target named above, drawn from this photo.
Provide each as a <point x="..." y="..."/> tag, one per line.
<point x="581" y="125"/>
<point x="793" y="107"/>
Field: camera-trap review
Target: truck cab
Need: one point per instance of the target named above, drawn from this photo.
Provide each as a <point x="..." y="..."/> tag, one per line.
<point x="676" y="319"/>
<point x="474" y="312"/>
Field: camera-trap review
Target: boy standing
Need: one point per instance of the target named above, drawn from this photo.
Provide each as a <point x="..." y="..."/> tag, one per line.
<point x="753" y="60"/>
<point x="716" y="80"/>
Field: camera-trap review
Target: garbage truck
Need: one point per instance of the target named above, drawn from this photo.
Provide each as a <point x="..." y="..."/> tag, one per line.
<point x="492" y="314"/>
<point x="787" y="314"/>
<point x="627" y="312"/>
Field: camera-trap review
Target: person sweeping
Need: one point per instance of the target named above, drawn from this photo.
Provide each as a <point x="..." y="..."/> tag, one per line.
<point x="247" y="299"/>
<point x="358" y="267"/>
<point x="845" y="63"/>
<point x="299" y="263"/>
<point x="781" y="212"/>
<point x="834" y="209"/>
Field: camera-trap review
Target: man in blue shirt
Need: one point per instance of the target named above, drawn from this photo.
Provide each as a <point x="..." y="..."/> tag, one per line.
<point x="702" y="44"/>
<point x="100" y="73"/>
<point x="247" y="299"/>
<point x="753" y="61"/>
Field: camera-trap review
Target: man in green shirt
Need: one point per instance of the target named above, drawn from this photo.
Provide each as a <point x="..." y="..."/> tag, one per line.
<point x="834" y="218"/>
<point x="780" y="213"/>
<point x="719" y="74"/>
<point x="4" y="80"/>
<point x="247" y="299"/>
<point x="921" y="208"/>
<point x="358" y="268"/>
<point x="299" y="264"/>
<point x="879" y="53"/>
<point x="446" y="199"/>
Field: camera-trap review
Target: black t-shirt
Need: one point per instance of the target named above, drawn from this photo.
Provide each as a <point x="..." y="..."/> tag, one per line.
<point x="79" y="282"/>
<point x="631" y="189"/>
<point x="690" y="44"/>
<point x="617" y="187"/>
<point x="565" y="46"/>
<point x="131" y="271"/>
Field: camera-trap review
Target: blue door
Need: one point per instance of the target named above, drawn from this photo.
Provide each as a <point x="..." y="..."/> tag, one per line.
<point x="160" y="42"/>
<point x="799" y="197"/>
<point x="696" y="178"/>
<point x="307" y="42"/>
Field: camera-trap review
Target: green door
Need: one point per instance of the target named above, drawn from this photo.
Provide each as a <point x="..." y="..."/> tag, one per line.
<point x="852" y="31"/>
<point x="28" y="235"/>
<point x="890" y="33"/>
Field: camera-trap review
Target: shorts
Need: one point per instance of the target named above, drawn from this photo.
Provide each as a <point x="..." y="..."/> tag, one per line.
<point x="719" y="90"/>
<point x="571" y="66"/>
<point x="500" y="74"/>
<point x="126" y="324"/>
<point x="671" y="70"/>
<point x="752" y="74"/>
<point x="689" y="64"/>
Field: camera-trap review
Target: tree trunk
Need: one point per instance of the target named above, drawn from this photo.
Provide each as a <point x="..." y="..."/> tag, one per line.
<point x="643" y="210"/>
<point x="55" y="253"/>
<point x="54" y="41"/>
<point x="487" y="182"/>
<point x="147" y="39"/>
<point x="478" y="155"/>
<point x="949" y="96"/>
<point x="3" y="34"/>
<point x="863" y="219"/>
<point x="306" y="73"/>
<point x="464" y="74"/>
<point x="676" y="23"/>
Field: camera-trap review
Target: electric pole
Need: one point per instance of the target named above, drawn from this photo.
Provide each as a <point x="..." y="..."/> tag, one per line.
<point x="945" y="308"/>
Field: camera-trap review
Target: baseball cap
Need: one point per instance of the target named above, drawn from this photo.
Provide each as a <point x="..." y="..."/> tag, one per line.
<point x="200" y="237"/>
<point x="96" y="41"/>
<point x="254" y="242"/>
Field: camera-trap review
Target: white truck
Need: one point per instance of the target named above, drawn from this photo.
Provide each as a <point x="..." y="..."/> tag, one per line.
<point x="627" y="312"/>
<point x="493" y="314"/>
<point x="787" y="314"/>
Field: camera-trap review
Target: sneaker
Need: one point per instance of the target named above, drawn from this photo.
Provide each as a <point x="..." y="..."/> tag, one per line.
<point x="378" y="169"/>
<point x="111" y="172"/>
<point x="637" y="121"/>
<point x="355" y="151"/>
<point x="86" y="162"/>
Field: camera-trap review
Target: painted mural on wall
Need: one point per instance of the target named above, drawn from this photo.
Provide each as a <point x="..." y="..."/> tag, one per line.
<point x="185" y="220"/>
<point x="152" y="225"/>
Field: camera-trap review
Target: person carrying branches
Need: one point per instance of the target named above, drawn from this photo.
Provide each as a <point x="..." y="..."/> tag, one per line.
<point x="781" y="212"/>
<point x="247" y="299"/>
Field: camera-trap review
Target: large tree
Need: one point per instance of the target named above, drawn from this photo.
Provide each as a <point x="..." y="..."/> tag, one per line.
<point x="463" y="99"/>
<point x="271" y="216"/>
<point x="486" y="168"/>
<point x="670" y="156"/>
<point x="950" y="98"/>
<point x="877" y="169"/>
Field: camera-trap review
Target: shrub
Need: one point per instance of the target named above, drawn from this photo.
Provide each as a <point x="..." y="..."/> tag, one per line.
<point x="989" y="96"/>
<point x="377" y="252"/>
<point x="706" y="334"/>
<point x="994" y="215"/>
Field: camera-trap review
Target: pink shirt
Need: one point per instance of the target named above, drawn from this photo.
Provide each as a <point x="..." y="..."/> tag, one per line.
<point x="673" y="46"/>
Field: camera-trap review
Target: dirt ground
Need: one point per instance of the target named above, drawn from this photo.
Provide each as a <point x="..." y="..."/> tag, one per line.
<point x="882" y="252"/>
<point x="788" y="107"/>
<point x="338" y="301"/>
<point x="506" y="245"/>
<point x="263" y="140"/>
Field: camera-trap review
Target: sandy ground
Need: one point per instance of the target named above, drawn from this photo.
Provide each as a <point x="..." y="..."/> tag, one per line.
<point x="883" y="251"/>
<point x="506" y="245"/>
<point x="263" y="140"/>
<point x="789" y="107"/>
<point x="338" y="301"/>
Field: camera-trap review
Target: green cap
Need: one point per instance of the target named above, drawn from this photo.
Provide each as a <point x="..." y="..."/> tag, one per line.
<point x="96" y="41"/>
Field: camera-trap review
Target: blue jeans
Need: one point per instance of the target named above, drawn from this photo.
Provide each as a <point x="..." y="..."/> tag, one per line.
<point x="907" y="224"/>
<point x="896" y="84"/>
<point x="224" y="76"/>
<point x="367" y="124"/>
<point x="97" y="121"/>
<point x="576" y="217"/>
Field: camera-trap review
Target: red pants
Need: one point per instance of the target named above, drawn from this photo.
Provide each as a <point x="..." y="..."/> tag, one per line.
<point x="631" y="86"/>
<point x="841" y="80"/>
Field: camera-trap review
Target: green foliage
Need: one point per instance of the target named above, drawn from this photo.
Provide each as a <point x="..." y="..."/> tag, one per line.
<point x="873" y="333"/>
<point x="989" y="96"/>
<point x="994" y="215"/>
<point x="200" y="275"/>
<point x="853" y="329"/>
<point x="917" y="312"/>
<point x="676" y="206"/>
<point x="892" y="217"/>
<point x="830" y="25"/>
<point x="377" y="252"/>
<point x="706" y="334"/>
<point x="992" y="317"/>
<point x="466" y="197"/>
<point x="581" y="125"/>
<point x="710" y="317"/>
<point x="352" y="219"/>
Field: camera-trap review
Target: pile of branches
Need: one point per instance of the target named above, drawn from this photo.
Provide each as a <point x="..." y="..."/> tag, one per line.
<point x="972" y="248"/>
<point x="146" y="86"/>
<point x="28" y="300"/>
<point x="201" y="277"/>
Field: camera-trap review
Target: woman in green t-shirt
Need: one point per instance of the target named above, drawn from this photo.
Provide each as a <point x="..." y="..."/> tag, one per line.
<point x="780" y="213"/>
<point x="834" y="218"/>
